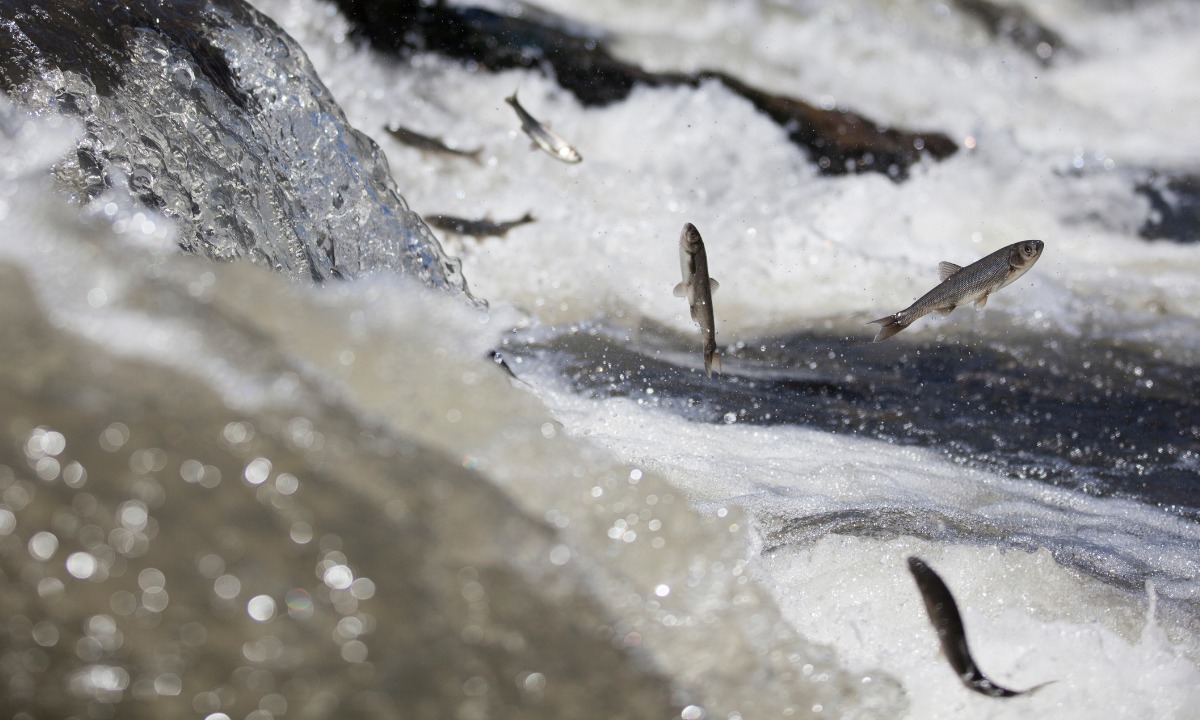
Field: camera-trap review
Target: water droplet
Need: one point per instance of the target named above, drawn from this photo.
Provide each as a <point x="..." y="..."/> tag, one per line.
<point x="81" y="565"/>
<point x="338" y="577"/>
<point x="227" y="587"/>
<point x="114" y="437"/>
<point x="261" y="608"/>
<point x="257" y="471"/>
<point x="43" y="545"/>
<point x="8" y="521"/>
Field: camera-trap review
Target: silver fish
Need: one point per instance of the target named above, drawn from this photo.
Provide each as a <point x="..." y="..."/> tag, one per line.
<point x="961" y="285"/>
<point x="414" y="139"/>
<point x="476" y="228"/>
<point x="543" y="136"/>
<point x="698" y="288"/>
<point x="943" y="613"/>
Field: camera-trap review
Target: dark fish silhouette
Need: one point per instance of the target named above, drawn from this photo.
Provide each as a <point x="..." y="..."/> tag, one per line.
<point x="961" y="285"/>
<point x="943" y="613"/>
<point x="426" y="143"/>
<point x="476" y="228"/>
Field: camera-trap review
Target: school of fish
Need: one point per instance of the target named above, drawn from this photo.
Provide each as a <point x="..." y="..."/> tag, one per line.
<point x="959" y="285"/>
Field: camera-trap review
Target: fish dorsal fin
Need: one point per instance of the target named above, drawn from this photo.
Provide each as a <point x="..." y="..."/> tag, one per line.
<point x="946" y="269"/>
<point x="713" y="285"/>
<point x="680" y="290"/>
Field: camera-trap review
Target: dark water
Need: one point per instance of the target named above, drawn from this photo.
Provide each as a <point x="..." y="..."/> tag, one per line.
<point x="1101" y="416"/>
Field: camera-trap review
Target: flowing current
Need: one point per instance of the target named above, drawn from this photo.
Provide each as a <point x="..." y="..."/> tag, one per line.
<point x="296" y="485"/>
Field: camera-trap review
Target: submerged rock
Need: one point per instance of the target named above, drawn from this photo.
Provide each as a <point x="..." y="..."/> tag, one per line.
<point x="1174" y="207"/>
<point x="210" y="114"/>
<point x="837" y="141"/>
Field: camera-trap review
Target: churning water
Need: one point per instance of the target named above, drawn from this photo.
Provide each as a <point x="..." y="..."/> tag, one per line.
<point x="227" y="492"/>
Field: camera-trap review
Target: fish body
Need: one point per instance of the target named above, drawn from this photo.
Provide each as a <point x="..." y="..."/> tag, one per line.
<point x="698" y="288"/>
<point x="426" y="143"/>
<point x="961" y="285"/>
<point x="476" y="228"/>
<point x="543" y="136"/>
<point x="943" y="613"/>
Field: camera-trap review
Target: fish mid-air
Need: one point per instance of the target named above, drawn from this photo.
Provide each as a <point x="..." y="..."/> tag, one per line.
<point x="542" y="135"/>
<point x="943" y="613"/>
<point x="961" y="285"/>
<point x="425" y="143"/>
<point x="476" y="228"/>
<point x="698" y="288"/>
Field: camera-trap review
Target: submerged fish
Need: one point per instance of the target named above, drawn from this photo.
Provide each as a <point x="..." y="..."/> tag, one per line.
<point x="698" y="287"/>
<point x="961" y="285"/>
<point x="416" y="140"/>
<point x="476" y="228"/>
<point x="943" y="613"/>
<point x="542" y="135"/>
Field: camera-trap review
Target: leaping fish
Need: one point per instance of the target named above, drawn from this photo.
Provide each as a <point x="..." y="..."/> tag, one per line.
<point x="943" y="613"/>
<point x="542" y="135"/>
<point x="961" y="285"/>
<point x="698" y="288"/>
<point x="476" y="228"/>
<point x="414" y="139"/>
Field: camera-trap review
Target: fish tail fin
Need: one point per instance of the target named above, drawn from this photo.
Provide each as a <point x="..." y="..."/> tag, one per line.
<point x="528" y="217"/>
<point x="712" y="357"/>
<point x="476" y="155"/>
<point x="888" y="326"/>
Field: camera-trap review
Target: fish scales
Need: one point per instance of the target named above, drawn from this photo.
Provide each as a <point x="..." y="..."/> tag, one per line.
<point x="973" y="283"/>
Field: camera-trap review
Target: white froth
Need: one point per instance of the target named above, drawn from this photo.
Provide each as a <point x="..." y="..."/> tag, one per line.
<point x="1046" y="153"/>
<point x="790" y="247"/>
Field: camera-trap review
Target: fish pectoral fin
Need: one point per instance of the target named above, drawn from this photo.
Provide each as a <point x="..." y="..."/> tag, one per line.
<point x="680" y="290"/>
<point x="981" y="302"/>
<point x="946" y="269"/>
<point x="945" y="310"/>
<point x="713" y="285"/>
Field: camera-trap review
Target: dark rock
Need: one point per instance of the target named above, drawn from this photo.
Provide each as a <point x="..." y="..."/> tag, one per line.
<point x="1019" y="26"/>
<point x="1174" y="207"/>
<point x="838" y="141"/>
<point x="213" y="116"/>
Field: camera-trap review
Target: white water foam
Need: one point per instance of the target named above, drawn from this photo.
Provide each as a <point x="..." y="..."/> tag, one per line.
<point x="1053" y="157"/>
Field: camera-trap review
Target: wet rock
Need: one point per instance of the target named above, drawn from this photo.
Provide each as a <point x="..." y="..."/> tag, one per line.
<point x="839" y="142"/>
<point x="1174" y="207"/>
<point x="1019" y="26"/>
<point x="210" y="114"/>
